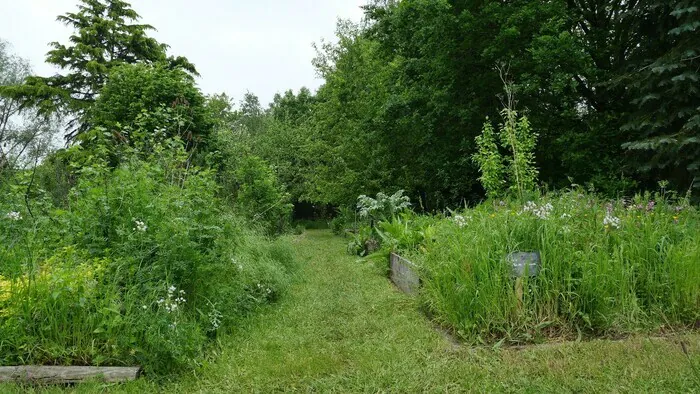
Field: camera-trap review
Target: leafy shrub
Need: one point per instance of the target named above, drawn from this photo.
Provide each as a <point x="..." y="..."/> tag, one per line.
<point x="260" y="196"/>
<point x="383" y="207"/>
<point x="142" y="265"/>
<point x="375" y="214"/>
<point x="136" y="96"/>
<point x="344" y="220"/>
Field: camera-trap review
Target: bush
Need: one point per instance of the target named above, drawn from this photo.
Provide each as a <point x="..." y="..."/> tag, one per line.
<point x="346" y="219"/>
<point x="142" y="266"/>
<point x="260" y="196"/>
<point x="607" y="268"/>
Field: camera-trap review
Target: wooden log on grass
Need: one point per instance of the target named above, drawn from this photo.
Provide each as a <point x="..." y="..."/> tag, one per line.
<point x="62" y="375"/>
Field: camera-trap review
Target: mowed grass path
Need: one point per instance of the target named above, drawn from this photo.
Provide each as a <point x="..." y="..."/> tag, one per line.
<point x="342" y="327"/>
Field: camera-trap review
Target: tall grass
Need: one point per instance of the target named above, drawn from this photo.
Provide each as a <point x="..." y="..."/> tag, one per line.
<point x="607" y="267"/>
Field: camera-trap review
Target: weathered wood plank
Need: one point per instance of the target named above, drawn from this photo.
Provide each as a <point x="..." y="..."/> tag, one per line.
<point x="404" y="274"/>
<point x="58" y="374"/>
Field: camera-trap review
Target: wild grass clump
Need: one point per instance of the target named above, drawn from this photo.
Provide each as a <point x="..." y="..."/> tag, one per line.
<point x="608" y="268"/>
<point x="141" y="265"/>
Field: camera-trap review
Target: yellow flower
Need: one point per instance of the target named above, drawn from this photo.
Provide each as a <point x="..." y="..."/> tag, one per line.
<point x="4" y="289"/>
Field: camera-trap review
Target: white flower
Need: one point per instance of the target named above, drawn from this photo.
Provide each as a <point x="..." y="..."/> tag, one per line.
<point x="541" y="212"/>
<point x="529" y="206"/>
<point x="144" y="307"/>
<point x="459" y="220"/>
<point x="140" y="226"/>
<point x="566" y="216"/>
<point x="15" y="216"/>
<point x="611" y="221"/>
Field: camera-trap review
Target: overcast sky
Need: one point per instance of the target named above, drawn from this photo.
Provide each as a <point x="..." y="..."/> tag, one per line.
<point x="237" y="45"/>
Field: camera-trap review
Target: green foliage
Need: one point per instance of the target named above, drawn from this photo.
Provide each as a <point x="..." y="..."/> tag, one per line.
<point x="666" y="116"/>
<point x="407" y="231"/>
<point x="517" y="136"/>
<point x="142" y="265"/>
<point x="490" y="161"/>
<point x="349" y="331"/>
<point x="384" y="207"/>
<point x="24" y="136"/>
<point x="346" y="219"/>
<point x="375" y="219"/>
<point x="260" y="196"/>
<point x="135" y="96"/>
<point x="607" y="267"/>
<point x="405" y="96"/>
<point x="105" y="36"/>
<point x="517" y="168"/>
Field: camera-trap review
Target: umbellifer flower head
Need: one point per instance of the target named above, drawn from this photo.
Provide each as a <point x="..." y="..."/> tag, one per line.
<point x="15" y="216"/>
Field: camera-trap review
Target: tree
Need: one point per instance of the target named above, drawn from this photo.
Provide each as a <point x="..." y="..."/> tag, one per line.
<point x="291" y="109"/>
<point x="251" y="118"/>
<point x="106" y="35"/>
<point x="25" y="137"/>
<point x="665" y="84"/>
<point x="135" y="94"/>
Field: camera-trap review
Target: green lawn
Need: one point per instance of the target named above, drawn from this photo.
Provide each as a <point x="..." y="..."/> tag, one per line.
<point x="343" y="327"/>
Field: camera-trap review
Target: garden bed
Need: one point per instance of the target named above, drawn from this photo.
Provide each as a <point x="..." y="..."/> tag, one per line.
<point x="404" y="274"/>
<point x="563" y="267"/>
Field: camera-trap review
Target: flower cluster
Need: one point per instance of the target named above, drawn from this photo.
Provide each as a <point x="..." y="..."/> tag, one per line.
<point x="237" y="263"/>
<point x="643" y="207"/>
<point x="459" y="220"/>
<point x="174" y="299"/>
<point x="541" y="212"/>
<point x="264" y="289"/>
<point x="611" y="221"/>
<point x="140" y="226"/>
<point x="15" y="216"/>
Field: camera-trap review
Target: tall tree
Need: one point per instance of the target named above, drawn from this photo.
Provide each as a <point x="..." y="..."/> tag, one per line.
<point x="24" y="136"/>
<point x="106" y="34"/>
<point x="666" y="85"/>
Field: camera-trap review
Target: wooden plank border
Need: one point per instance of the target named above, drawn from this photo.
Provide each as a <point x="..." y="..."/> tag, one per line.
<point x="404" y="274"/>
<point x="59" y="374"/>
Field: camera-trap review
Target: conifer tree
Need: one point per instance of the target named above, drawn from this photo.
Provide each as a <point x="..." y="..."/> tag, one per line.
<point x="106" y="34"/>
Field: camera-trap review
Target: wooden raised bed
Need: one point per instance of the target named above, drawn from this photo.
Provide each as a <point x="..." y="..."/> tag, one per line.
<point x="404" y="274"/>
<point x="62" y="375"/>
